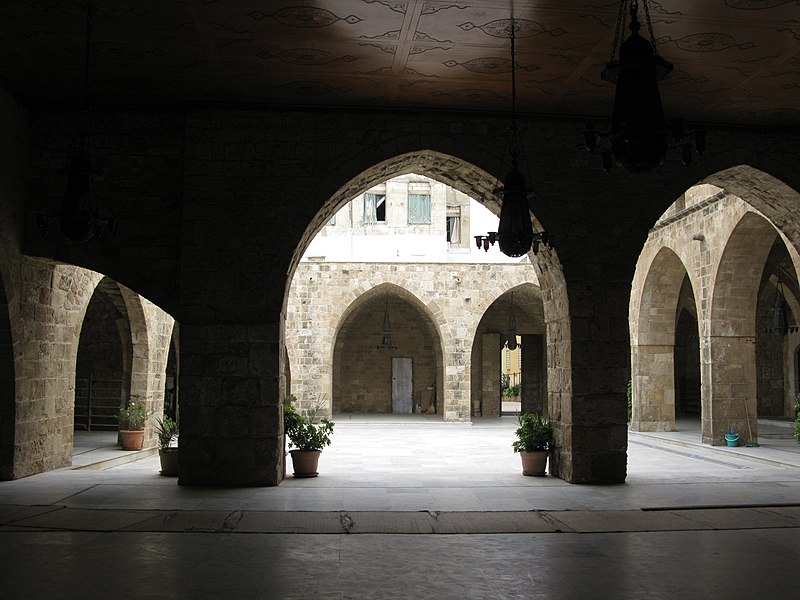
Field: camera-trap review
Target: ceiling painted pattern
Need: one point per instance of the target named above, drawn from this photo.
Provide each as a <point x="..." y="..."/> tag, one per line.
<point x="736" y="61"/>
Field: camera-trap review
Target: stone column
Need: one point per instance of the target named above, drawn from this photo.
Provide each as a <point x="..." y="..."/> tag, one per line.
<point x="533" y="374"/>
<point x="231" y="429"/>
<point x="729" y="384"/>
<point x="490" y="375"/>
<point x="589" y="409"/>
<point x="653" y="388"/>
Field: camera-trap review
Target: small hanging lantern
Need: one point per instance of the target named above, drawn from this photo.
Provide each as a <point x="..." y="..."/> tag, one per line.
<point x="511" y="343"/>
<point x="779" y="317"/>
<point x="386" y="335"/>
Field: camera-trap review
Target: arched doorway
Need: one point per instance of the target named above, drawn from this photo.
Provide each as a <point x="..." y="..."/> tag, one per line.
<point x="387" y="356"/>
<point x="452" y="385"/>
<point x="103" y="364"/>
<point x="688" y="399"/>
<point x="524" y="303"/>
<point x="654" y="316"/>
<point x="776" y="334"/>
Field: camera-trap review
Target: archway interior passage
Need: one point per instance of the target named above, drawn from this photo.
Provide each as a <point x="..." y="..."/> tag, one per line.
<point x="103" y="367"/>
<point x="776" y="333"/>
<point x="519" y="312"/>
<point x="434" y="286"/>
<point x="687" y="356"/>
<point x="401" y="378"/>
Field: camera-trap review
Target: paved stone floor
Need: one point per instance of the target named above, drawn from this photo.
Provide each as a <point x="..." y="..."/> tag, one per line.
<point x="416" y="508"/>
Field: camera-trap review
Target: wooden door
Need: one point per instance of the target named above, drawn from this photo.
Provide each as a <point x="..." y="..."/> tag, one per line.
<point x="402" y="385"/>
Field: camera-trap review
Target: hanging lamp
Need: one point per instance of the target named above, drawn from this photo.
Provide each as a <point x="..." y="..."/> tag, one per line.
<point x="639" y="135"/>
<point x="511" y="343"/>
<point x="515" y="233"/>
<point x="386" y="335"/>
<point x="79" y="218"/>
<point x="779" y="313"/>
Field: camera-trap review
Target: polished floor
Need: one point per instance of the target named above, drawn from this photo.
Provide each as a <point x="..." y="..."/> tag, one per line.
<point x="415" y="508"/>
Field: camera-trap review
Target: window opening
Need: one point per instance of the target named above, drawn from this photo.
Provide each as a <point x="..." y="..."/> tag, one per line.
<point x="454" y="224"/>
<point x="374" y="208"/>
<point x="419" y="204"/>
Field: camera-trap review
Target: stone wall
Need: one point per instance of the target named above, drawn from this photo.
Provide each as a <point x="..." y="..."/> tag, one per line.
<point x="438" y="310"/>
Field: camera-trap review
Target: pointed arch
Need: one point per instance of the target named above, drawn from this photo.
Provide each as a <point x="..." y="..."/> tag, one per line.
<point x="362" y="373"/>
<point x="491" y="334"/>
<point x="653" y="329"/>
<point x="729" y="357"/>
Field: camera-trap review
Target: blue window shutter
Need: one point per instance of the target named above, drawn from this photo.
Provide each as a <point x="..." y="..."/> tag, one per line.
<point x="419" y="209"/>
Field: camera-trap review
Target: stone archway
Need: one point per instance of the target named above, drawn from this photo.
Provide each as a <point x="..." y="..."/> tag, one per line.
<point x="718" y="245"/>
<point x="490" y="337"/>
<point x="363" y="372"/>
<point x="729" y="344"/>
<point x="479" y="184"/>
<point x="103" y="360"/>
<point x="688" y="397"/>
<point x="140" y="332"/>
<point x="653" y="331"/>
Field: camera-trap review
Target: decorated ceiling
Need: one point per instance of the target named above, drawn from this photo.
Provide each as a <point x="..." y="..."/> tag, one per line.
<point x="735" y="61"/>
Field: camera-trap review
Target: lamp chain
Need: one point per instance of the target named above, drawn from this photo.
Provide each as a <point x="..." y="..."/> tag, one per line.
<point x="619" y="30"/>
<point x="650" y="26"/>
<point x="514" y="132"/>
<point x="89" y="11"/>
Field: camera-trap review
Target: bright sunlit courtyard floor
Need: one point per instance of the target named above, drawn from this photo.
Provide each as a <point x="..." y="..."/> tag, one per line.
<point x="411" y="507"/>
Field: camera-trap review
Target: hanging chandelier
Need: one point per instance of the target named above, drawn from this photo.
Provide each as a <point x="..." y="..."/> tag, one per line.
<point x="79" y="218"/>
<point x="639" y="135"/>
<point x="511" y="343"/>
<point x="779" y="313"/>
<point x="386" y="335"/>
<point x="515" y="234"/>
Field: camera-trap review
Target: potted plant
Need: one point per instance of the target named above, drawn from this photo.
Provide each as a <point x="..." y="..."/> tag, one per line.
<point x="132" y="418"/>
<point x="307" y="438"/>
<point x="534" y="443"/>
<point x="167" y="432"/>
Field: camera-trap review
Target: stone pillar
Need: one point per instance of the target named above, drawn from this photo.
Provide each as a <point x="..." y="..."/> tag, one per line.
<point x="589" y="410"/>
<point x="7" y="403"/>
<point x="490" y="375"/>
<point x="532" y="390"/>
<point x="231" y="419"/>
<point x="729" y="385"/>
<point x="653" y="388"/>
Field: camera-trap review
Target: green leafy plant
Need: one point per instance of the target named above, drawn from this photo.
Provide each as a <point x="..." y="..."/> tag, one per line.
<point x="630" y="399"/>
<point x="166" y="430"/>
<point x="534" y="433"/>
<point x="133" y="416"/>
<point x="797" y="418"/>
<point x="303" y="434"/>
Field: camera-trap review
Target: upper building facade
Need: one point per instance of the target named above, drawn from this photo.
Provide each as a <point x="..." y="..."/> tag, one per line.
<point x="408" y="219"/>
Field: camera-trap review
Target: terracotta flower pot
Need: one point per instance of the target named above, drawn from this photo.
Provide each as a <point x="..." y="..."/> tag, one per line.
<point x="132" y="440"/>
<point x="169" y="461"/>
<point x="534" y="463"/>
<point x="304" y="462"/>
